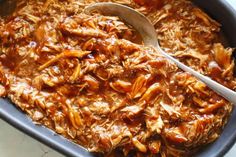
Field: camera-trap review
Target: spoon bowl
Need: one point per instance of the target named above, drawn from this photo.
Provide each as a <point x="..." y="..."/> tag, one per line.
<point x="137" y="20"/>
<point x="148" y="33"/>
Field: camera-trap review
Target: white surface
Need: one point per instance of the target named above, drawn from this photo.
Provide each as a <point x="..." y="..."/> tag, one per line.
<point x="13" y="143"/>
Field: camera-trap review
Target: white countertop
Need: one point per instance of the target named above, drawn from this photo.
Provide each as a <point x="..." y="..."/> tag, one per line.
<point x="13" y="143"/>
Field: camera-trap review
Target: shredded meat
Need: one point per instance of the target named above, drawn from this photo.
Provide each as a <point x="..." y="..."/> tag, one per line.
<point x="86" y="78"/>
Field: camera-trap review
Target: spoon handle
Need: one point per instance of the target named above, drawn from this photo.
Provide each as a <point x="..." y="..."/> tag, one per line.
<point x="148" y="33"/>
<point x="220" y="89"/>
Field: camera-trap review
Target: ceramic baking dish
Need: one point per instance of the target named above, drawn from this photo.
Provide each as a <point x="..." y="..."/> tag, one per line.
<point x="218" y="9"/>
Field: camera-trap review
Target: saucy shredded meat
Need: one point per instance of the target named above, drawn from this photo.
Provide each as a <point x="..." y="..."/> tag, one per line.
<point x="86" y="78"/>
